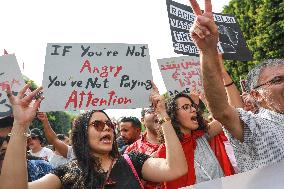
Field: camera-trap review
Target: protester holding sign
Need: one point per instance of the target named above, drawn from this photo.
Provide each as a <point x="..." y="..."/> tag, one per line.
<point x="258" y="138"/>
<point x="98" y="163"/>
<point x="195" y="138"/>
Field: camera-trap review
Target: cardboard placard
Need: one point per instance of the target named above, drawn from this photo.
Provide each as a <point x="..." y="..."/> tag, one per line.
<point x="10" y="74"/>
<point x="231" y="41"/>
<point x="80" y="76"/>
<point x="181" y="74"/>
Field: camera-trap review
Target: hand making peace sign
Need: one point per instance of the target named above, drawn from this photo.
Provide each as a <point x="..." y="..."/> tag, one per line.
<point x="204" y="31"/>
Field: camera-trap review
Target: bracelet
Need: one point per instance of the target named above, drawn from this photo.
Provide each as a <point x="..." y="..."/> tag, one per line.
<point x="19" y="134"/>
<point x="163" y="120"/>
<point x="229" y="84"/>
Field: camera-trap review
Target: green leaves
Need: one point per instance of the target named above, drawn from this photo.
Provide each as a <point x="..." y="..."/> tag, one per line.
<point x="262" y="24"/>
<point x="59" y="121"/>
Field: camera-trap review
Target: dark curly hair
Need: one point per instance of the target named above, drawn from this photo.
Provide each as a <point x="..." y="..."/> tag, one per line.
<point x="89" y="164"/>
<point x="171" y="106"/>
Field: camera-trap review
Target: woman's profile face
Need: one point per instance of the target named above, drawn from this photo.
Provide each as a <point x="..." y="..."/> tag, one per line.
<point x="186" y="115"/>
<point x="100" y="135"/>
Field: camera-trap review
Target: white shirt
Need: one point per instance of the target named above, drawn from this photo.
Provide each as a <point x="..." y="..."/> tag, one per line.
<point x="45" y="153"/>
<point x="263" y="139"/>
<point x="57" y="160"/>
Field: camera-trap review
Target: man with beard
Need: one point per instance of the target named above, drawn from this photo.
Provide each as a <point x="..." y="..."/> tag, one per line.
<point x="148" y="143"/>
<point x="130" y="131"/>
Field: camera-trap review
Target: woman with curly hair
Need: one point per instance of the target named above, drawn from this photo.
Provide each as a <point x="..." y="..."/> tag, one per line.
<point x="194" y="135"/>
<point x="98" y="164"/>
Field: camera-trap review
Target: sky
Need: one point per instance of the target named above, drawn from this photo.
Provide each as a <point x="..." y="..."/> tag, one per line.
<point x="27" y="27"/>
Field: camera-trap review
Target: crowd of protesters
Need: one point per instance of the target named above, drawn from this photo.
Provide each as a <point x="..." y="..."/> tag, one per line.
<point x="181" y="145"/>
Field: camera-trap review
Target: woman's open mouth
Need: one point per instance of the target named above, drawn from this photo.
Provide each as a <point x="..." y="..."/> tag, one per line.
<point x="106" y="139"/>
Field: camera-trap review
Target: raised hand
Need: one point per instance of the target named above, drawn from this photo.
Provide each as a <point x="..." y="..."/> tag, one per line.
<point x="24" y="107"/>
<point x="42" y="116"/>
<point x="158" y="101"/>
<point x="194" y="96"/>
<point x="204" y="31"/>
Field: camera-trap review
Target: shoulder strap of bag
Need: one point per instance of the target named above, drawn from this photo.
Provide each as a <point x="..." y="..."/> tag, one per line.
<point x="128" y="160"/>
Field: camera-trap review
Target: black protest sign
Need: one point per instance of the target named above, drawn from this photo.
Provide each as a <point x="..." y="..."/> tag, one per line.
<point x="231" y="40"/>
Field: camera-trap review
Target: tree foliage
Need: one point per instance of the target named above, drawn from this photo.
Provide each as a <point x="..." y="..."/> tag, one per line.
<point x="60" y="121"/>
<point x="262" y="24"/>
<point x="33" y="85"/>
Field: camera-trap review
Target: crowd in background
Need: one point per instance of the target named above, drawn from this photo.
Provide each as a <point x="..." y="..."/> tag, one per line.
<point x="188" y="138"/>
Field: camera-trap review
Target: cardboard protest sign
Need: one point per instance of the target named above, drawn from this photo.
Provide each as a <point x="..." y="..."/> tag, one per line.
<point x="96" y="76"/>
<point x="181" y="74"/>
<point x="10" y="74"/>
<point x="231" y="40"/>
<point x="262" y="178"/>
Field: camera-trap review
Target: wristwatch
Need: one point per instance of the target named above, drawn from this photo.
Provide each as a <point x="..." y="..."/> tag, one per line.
<point x="163" y="120"/>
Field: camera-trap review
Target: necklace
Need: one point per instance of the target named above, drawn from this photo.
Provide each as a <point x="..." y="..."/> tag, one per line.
<point x="109" y="181"/>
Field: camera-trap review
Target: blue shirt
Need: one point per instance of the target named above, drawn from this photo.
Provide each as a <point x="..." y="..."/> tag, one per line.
<point x="37" y="169"/>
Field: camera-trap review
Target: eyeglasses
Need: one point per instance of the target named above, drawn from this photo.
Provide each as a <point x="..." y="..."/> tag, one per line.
<point x="100" y="125"/>
<point x="274" y="81"/>
<point x="189" y="107"/>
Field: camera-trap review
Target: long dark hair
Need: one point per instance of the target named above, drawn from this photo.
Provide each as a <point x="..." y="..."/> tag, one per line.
<point x="171" y="106"/>
<point x="88" y="163"/>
